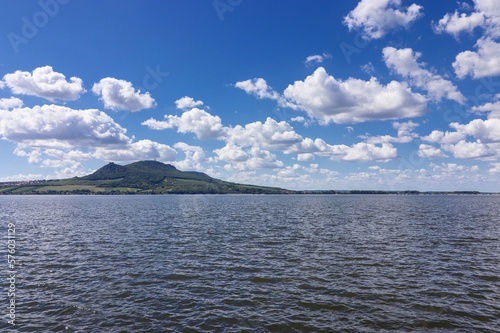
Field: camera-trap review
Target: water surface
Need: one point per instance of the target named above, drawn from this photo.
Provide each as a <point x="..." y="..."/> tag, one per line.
<point x="255" y="263"/>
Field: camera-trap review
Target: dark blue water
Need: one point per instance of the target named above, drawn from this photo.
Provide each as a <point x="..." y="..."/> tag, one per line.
<point x="250" y="263"/>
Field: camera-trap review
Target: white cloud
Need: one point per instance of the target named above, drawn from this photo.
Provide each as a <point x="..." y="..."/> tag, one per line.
<point x="305" y="157"/>
<point x="444" y="137"/>
<point x="483" y="63"/>
<point x="121" y="95"/>
<point x="280" y="136"/>
<point x="62" y="156"/>
<point x="454" y="24"/>
<point x="65" y="161"/>
<point x="140" y="150"/>
<point x="197" y="121"/>
<point x="269" y="135"/>
<point x="452" y="168"/>
<point x="58" y="126"/>
<point x="194" y="156"/>
<point x="157" y="124"/>
<point x="317" y="58"/>
<point x="493" y="109"/>
<point x="469" y="150"/>
<point x="69" y="171"/>
<point x="22" y="177"/>
<point x="330" y="100"/>
<point x="486" y="15"/>
<point x="298" y="119"/>
<point x="377" y="17"/>
<point x="368" y="68"/>
<point x="404" y="62"/>
<point x="485" y="132"/>
<point x="428" y="151"/>
<point x="232" y="153"/>
<point x="249" y="146"/>
<point x="10" y="103"/>
<point x="367" y="152"/>
<point x="186" y="103"/>
<point x="495" y="168"/>
<point x="405" y="130"/>
<point x="259" y="88"/>
<point x="257" y="159"/>
<point x="32" y="154"/>
<point x="45" y="83"/>
<point x="405" y="134"/>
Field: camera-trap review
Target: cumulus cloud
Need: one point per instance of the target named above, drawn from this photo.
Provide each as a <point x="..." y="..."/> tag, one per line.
<point x="10" y="103"/>
<point x="186" y="103"/>
<point x="376" y="18"/>
<point x="259" y="88"/>
<point x="121" y="95"/>
<point x="232" y="152"/>
<point x="194" y="156"/>
<point x="367" y="152"/>
<point x="197" y="121"/>
<point x="486" y="15"/>
<point x="481" y="63"/>
<point x="495" y="168"/>
<point x="405" y="130"/>
<point x="485" y="130"/>
<point x="317" y="58"/>
<point x="452" y="168"/>
<point x="256" y="158"/>
<point x="45" y="83"/>
<point x="470" y="150"/>
<point x="271" y="134"/>
<point x="58" y="126"/>
<point x="454" y="24"/>
<point x="21" y="177"/>
<point x="492" y="108"/>
<point x="328" y="100"/>
<point x="405" y="134"/>
<point x="305" y="157"/>
<point x="66" y="162"/>
<point x="484" y="61"/>
<point x="428" y="151"/>
<point x="280" y="136"/>
<point x="404" y="62"/>
<point x="58" y="137"/>
<point x="134" y="151"/>
<point x="250" y="145"/>
<point x="486" y="134"/>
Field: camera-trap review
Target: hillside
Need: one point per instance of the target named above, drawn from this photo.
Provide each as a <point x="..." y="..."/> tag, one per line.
<point x="144" y="177"/>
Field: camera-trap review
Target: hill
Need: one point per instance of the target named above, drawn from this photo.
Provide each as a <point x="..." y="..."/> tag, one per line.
<point x="144" y="177"/>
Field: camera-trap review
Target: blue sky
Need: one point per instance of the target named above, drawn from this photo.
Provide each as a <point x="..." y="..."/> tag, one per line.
<point x="372" y="94"/>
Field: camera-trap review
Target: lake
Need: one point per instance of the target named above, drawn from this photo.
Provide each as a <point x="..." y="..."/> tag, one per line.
<point x="253" y="263"/>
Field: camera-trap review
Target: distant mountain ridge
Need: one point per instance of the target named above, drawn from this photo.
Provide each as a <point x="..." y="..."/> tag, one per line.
<point x="151" y="172"/>
<point x="143" y="177"/>
<point x="152" y="177"/>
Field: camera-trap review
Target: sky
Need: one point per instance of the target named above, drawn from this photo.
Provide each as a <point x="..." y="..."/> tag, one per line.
<point x="318" y="94"/>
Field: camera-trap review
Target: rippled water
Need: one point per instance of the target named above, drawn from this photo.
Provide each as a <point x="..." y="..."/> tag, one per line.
<point x="250" y="263"/>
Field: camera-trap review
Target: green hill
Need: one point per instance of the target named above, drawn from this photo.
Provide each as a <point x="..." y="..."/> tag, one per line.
<point x="144" y="177"/>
